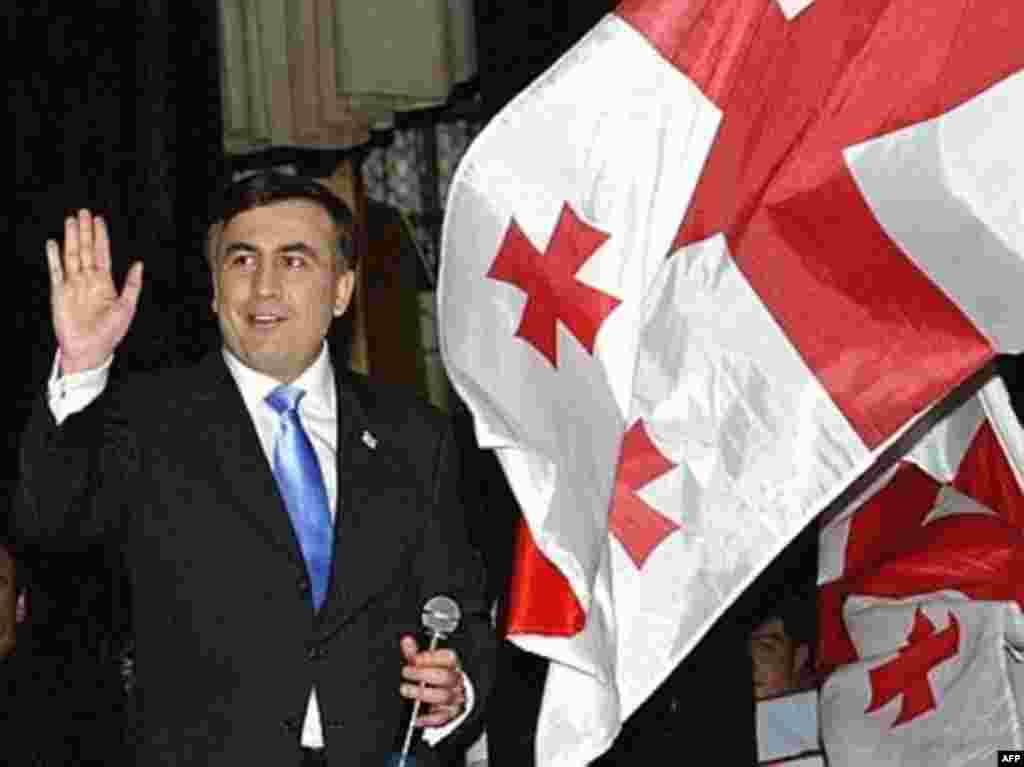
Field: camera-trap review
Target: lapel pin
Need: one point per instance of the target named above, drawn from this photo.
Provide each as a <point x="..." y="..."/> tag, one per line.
<point x="369" y="440"/>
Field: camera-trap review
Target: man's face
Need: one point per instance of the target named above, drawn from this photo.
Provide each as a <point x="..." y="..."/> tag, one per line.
<point x="277" y="284"/>
<point x="12" y="604"/>
<point x="778" y="660"/>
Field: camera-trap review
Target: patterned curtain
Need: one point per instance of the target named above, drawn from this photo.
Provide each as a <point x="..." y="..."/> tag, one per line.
<point x="412" y="175"/>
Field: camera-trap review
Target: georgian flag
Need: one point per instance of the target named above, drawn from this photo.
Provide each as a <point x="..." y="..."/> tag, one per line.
<point x="922" y="583"/>
<point x="940" y="682"/>
<point x="697" y="277"/>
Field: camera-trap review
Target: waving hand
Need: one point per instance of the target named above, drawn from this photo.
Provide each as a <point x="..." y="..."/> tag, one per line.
<point x="89" y="316"/>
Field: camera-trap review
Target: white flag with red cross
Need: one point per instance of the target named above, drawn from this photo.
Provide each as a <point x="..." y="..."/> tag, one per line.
<point x="940" y="682"/>
<point x="696" y="278"/>
<point x="921" y="628"/>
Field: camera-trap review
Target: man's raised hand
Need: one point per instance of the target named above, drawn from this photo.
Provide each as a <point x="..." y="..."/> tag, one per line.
<point x="89" y="317"/>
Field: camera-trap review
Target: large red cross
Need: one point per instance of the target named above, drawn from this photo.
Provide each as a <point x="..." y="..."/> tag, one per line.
<point x="794" y="94"/>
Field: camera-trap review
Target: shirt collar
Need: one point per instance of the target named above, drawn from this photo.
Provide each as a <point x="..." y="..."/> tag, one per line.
<point x="317" y="381"/>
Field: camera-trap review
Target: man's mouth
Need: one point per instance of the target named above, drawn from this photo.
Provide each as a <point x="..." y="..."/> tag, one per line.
<point x="265" y="320"/>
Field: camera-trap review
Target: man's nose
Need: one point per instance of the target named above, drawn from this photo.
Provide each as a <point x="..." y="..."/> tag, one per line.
<point x="268" y="279"/>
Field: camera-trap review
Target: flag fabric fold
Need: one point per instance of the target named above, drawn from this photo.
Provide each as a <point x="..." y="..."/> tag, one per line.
<point x="679" y="296"/>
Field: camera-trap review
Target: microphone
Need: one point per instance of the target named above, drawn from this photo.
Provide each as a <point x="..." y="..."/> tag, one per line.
<point x="440" y="618"/>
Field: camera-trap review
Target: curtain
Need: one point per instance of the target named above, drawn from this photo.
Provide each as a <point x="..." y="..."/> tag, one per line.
<point x="322" y="73"/>
<point x="411" y="177"/>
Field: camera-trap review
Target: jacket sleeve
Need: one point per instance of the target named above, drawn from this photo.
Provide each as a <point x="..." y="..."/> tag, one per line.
<point x="450" y="565"/>
<point x="74" y="477"/>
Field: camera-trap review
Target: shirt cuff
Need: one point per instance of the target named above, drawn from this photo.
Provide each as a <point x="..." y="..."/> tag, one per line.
<point x="69" y="394"/>
<point x="434" y="735"/>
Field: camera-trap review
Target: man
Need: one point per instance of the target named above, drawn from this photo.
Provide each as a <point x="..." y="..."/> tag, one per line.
<point x="55" y="709"/>
<point x="780" y="647"/>
<point x="13" y="607"/>
<point x="283" y="522"/>
<point x="784" y="681"/>
<point x="18" y="690"/>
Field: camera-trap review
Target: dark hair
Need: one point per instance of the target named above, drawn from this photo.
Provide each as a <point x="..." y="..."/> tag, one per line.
<point x="798" y="613"/>
<point x="267" y="187"/>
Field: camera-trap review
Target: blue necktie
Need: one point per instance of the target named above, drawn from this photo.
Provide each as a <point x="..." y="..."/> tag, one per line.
<point x="302" y="484"/>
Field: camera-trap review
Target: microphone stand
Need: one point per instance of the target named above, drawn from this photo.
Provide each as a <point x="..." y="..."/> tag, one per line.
<point x="435" y="636"/>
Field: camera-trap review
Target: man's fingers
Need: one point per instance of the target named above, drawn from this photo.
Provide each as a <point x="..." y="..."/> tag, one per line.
<point x="132" y="286"/>
<point x="53" y="262"/>
<point x="433" y="675"/>
<point x="72" y="260"/>
<point x="435" y="696"/>
<point x="409" y="648"/>
<point x="85" y="240"/>
<point x="102" y="244"/>
<point x="438" y="658"/>
<point x="438" y="716"/>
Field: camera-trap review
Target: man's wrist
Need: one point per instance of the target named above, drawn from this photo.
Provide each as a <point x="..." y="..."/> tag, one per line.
<point x="70" y="392"/>
<point x="69" y="366"/>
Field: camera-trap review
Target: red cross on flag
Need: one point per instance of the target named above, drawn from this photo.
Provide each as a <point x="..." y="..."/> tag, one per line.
<point x="697" y="278"/>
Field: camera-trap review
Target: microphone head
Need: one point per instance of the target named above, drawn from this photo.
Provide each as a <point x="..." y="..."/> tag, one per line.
<point x="441" y="615"/>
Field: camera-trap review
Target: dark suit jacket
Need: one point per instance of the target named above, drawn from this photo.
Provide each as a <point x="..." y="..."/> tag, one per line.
<point x="58" y="711"/>
<point x="169" y="466"/>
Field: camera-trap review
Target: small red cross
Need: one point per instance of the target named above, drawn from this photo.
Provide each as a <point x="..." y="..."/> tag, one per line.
<point x="907" y="674"/>
<point x="549" y="281"/>
<point x="637" y="526"/>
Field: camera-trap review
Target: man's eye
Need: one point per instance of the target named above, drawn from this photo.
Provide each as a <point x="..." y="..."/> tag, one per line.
<point x="240" y="260"/>
<point x="294" y="262"/>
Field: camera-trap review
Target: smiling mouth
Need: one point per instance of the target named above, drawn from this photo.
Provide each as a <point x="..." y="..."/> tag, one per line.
<point x="265" y="320"/>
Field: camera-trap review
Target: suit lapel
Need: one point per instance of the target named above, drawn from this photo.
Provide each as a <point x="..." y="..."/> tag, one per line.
<point x="373" y="490"/>
<point x="228" y="427"/>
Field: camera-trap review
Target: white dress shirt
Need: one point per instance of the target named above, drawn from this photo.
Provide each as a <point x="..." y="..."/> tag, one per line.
<point x="318" y="412"/>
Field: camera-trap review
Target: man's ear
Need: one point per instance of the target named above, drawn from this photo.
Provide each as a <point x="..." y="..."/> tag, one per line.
<point x="343" y="291"/>
<point x="801" y="659"/>
<point x="21" y="608"/>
